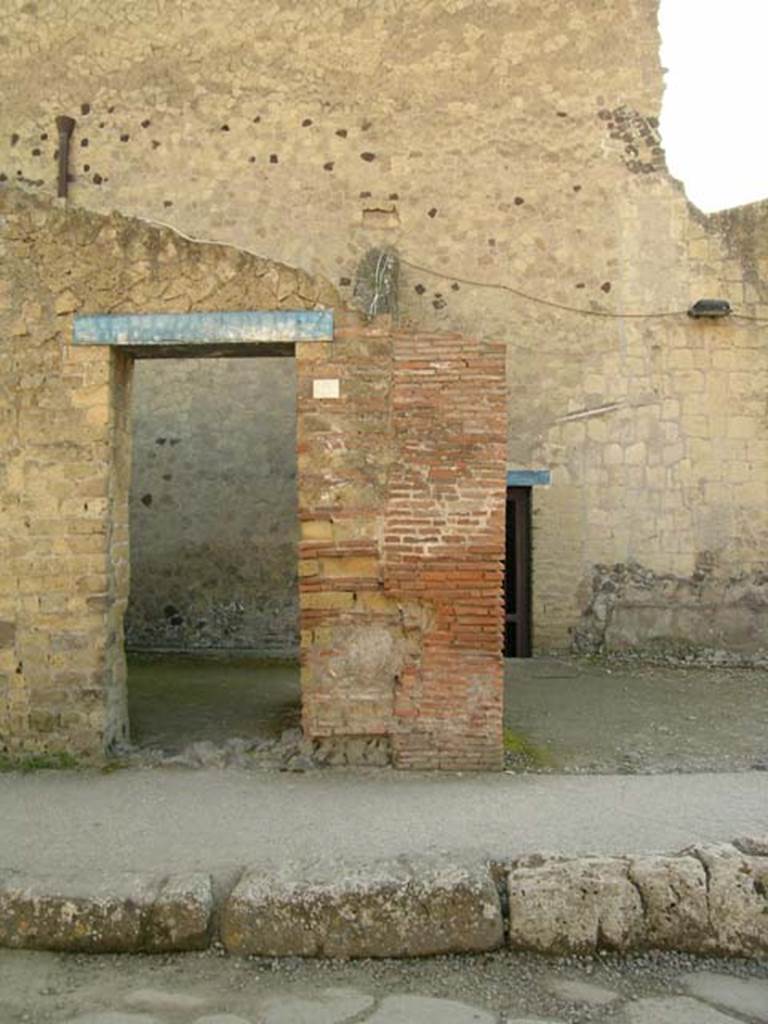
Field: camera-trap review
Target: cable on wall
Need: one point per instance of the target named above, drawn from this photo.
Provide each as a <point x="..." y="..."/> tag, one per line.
<point x="471" y="282"/>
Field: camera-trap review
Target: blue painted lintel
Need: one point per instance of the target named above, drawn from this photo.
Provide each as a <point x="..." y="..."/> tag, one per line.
<point x="139" y="329"/>
<point x="527" y="477"/>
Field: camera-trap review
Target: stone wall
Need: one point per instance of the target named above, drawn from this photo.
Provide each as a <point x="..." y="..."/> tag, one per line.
<point x="493" y="144"/>
<point x="402" y="490"/>
<point x="401" y="495"/>
<point x="65" y="450"/>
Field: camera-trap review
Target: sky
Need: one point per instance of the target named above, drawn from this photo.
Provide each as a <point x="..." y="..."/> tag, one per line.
<point x="713" y="120"/>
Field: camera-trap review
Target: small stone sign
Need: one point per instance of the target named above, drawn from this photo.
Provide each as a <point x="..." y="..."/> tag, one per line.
<point x="328" y="388"/>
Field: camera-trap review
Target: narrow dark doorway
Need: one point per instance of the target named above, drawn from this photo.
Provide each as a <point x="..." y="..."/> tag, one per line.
<point x="517" y="574"/>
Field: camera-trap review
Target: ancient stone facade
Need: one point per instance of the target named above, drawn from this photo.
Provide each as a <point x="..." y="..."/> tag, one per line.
<point x="401" y="497"/>
<point x="510" y="153"/>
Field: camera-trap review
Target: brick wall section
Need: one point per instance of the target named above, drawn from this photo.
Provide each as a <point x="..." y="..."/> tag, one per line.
<point x="402" y="486"/>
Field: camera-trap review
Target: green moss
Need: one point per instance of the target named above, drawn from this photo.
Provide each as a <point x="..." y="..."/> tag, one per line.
<point x="25" y="763"/>
<point x="522" y="751"/>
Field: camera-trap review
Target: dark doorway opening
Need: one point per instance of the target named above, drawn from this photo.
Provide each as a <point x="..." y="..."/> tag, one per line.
<point x="517" y="574"/>
<point x="211" y="630"/>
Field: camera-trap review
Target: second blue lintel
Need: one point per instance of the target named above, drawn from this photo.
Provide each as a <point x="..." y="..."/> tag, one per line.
<point x="528" y="477"/>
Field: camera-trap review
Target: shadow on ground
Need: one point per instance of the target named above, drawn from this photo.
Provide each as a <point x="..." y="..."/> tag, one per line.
<point x="568" y="715"/>
<point x="178" y="699"/>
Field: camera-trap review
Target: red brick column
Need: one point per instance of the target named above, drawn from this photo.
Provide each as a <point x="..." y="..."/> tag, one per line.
<point x="444" y="545"/>
<point x="402" y="499"/>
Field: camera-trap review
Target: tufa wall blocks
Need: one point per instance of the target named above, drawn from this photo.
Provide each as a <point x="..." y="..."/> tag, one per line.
<point x="65" y="452"/>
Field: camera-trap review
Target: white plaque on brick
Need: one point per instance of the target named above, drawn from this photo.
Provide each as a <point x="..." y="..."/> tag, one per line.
<point x="328" y="388"/>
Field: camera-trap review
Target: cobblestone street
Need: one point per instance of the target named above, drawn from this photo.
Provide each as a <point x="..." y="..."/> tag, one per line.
<point x="41" y="988"/>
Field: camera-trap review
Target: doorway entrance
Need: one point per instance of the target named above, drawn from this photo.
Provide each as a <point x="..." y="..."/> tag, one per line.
<point x="517" y="574"/>
<point x="215" y="563"/>
<point x="211" y="629"/>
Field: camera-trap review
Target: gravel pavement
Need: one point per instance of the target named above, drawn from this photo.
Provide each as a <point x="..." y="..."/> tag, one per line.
<point x="213" y="820"/>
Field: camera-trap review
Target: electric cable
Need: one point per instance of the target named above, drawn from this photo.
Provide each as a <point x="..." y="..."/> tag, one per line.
<point x="607" y="314"/>
<point x="472" y="283"/>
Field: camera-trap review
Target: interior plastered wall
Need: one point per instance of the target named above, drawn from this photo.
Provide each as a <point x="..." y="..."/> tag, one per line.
<point x="506" y="142"/>
<point x="214" y="441"/>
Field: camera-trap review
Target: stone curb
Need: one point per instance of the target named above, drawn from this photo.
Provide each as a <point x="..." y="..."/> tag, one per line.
<point x="704" y="900"/>
<point x="128" y="913"/>
<point x="396" y="908"/>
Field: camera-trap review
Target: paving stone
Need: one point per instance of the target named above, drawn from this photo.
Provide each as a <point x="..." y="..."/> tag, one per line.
<point x="674" y="1010"/>
<point x="114" y="1017"/>
<point x="586" y="992"/>
<point x="333" y="1006"/>
<point x="406" y="907"/>
<point x="161" y="1002"/>
<point x="747" y="996"/>
<point x="424" y="1010"/>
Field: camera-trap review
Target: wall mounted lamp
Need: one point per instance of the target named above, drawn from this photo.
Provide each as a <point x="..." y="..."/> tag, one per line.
<point x="710" y="308"/>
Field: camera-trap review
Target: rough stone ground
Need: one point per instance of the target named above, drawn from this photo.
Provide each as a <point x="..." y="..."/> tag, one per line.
<point x="652" y="718"/>
<point x="205" y="711"/>
<point x="40" y="988"/>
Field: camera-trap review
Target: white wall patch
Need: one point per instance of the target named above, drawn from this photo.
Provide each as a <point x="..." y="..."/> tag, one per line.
<point x="328" y="388"/>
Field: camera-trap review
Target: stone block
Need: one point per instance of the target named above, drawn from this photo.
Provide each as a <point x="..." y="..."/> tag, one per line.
<point x="7" y="634"/>
<point x="351" y="567"/>
<point x="114" y="1017"/>
<point x="121" y="914"/>
<point x="180" y="916"/>
<point x="674" y="1010"/>
<point x="674" y="896"/>
<point x="575" y="906"/>
<point x="160" y="1001"/>
<point x="745" y="996"/>
<point x="574" y="990"/>
<point x="332" y="600"/>
<point x="331" y="1006"/>
<point x="738" y="900"/>
<point x="427" y="1010"/>
<point x="82" y="915"/>
<point x="399" y="908"/>
<point x="318" y="529"/>
<point x="754" y="846"/>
